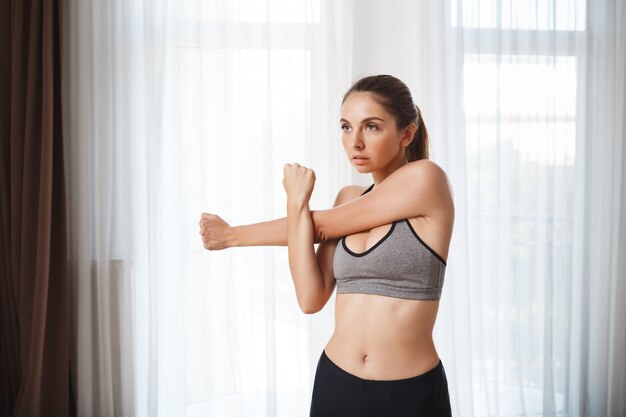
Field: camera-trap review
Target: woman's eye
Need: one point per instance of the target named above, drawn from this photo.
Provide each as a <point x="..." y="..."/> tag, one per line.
<point x="344" y="127"/>
<point x="374" y="126"/>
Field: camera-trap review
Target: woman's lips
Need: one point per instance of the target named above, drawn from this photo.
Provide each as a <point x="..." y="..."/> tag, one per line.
<point x="360" y="161"/>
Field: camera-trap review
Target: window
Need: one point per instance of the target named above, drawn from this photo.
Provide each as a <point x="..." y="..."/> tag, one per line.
<point x="243" y="68"/>
<point x="520" y="74"/>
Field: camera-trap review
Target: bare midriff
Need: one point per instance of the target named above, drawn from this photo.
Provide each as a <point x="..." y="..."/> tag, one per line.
<point x="383" y="338"/>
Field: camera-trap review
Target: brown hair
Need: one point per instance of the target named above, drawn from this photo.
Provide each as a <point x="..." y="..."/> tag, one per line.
<point x="396" y="98"/>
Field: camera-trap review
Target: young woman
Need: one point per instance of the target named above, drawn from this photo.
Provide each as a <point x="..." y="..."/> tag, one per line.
<point x="384" y="247"/>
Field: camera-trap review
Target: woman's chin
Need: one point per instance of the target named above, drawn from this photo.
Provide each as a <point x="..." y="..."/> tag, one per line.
<point x="362" y="169"/>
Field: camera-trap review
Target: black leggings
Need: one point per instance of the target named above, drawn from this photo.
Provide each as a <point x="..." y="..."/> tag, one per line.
<point x="337" y="392"/>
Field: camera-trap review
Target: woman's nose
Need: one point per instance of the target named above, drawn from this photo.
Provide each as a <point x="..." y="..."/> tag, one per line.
<point x="357" y="141"/>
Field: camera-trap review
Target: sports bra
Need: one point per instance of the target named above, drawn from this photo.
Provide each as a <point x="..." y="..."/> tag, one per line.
<point x="399" y="265"/>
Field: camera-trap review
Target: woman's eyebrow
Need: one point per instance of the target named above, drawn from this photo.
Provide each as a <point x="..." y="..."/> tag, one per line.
<point x="367" y="119"/>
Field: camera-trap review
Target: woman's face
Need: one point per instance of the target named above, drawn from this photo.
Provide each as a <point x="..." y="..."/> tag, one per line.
<point x="368" y="130"/>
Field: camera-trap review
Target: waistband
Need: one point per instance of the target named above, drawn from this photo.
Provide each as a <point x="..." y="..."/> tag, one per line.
<point x="436" y="371"/>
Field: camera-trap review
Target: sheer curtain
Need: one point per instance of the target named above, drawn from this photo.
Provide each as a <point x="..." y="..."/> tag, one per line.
<point x="178" y="108"/>
<point x="524" y="102"/>
<point x="544" y="135"/>
<point x="174" y="108"/>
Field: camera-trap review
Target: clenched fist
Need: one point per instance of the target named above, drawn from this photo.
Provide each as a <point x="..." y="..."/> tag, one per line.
<point x="298" y="182"/>
<point x="216" y="233"/>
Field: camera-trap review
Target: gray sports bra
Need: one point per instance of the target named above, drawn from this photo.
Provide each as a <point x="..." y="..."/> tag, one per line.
<point x="399" y="265"/>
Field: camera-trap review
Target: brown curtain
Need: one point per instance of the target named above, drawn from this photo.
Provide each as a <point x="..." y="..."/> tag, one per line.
<point x="34" y="348"/>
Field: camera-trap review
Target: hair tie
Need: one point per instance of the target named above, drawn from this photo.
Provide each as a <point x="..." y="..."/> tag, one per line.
<point x="419" y="116"/>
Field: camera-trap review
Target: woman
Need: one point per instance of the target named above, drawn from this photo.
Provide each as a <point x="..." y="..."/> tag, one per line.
<point x="384" y="247"/>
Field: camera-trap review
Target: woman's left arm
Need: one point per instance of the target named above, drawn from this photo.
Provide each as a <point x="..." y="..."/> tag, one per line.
<point x="418" y="188"/>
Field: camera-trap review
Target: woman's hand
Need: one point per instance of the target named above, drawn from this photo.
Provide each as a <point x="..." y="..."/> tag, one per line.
<point x="298" y="182"/>
<point x="216" y="233"/>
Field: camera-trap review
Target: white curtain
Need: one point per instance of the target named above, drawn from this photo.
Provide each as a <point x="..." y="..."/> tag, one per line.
<point x="173" y="108"/>
<point x="524" y="102"/>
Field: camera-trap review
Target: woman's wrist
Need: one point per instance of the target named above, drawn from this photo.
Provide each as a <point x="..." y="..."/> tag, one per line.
<point x="297" y="205"/>
<point x="231" y="237"/>
<point x="240" y="236"/>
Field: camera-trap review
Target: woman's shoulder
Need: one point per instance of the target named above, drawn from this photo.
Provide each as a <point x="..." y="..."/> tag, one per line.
<point x="349" y="192"/>
<point x="426" y="167"/>
<point x="429" y="175"/>
<point x="425" y="178"/>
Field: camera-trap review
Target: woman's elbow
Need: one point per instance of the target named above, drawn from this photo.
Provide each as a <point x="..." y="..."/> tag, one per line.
<point x="311" y="305"/>
<point x="309" y="309"/>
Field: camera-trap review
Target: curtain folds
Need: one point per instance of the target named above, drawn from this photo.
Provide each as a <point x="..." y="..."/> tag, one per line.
<point x="598" y="362"/>
<point x="34" y="343"/>
<point x="179" y="108"/>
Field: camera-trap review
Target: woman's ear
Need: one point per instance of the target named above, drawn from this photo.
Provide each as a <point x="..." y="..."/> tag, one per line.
<point x="408" y="133"/>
